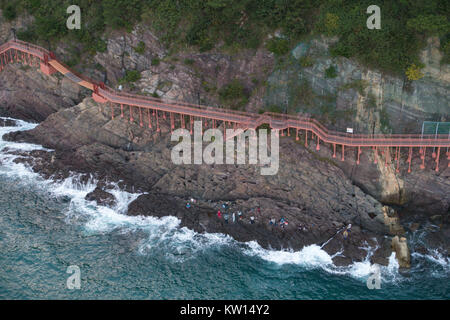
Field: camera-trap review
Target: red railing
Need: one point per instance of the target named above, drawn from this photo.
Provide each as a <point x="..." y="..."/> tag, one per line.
<point x="245" y="119"/>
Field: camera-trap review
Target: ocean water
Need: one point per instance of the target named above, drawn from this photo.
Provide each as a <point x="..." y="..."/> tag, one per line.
<point x="47" y="226"/>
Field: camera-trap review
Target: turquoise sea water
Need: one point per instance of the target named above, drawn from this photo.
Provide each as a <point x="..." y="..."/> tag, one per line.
<point x="47" y="226"/>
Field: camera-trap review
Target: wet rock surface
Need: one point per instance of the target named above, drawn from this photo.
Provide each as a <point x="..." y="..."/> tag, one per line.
<point x="7" y="123"/>
<point x="101" y="197"/>
<point x="312" y="195"/>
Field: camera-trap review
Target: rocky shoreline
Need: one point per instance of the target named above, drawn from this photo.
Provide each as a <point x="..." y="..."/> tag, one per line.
<point x="310" y="192"/>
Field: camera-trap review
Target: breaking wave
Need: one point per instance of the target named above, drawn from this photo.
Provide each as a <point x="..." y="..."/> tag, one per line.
<point x="179" y="243"/>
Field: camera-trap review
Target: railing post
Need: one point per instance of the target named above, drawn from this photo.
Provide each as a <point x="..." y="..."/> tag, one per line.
<point x="375" y="160"/>
<point x="424" y="151"/>
<point x="409" y="159"/>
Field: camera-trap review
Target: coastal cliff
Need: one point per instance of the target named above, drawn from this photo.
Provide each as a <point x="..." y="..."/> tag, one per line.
<point x="316" y="194"/>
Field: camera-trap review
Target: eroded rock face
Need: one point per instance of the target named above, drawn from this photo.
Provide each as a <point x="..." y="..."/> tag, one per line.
<point x="423" y="192"/>
<point x="187" y="76"/>
<point x="27" y="94"/>
<point x="367" y="100"/>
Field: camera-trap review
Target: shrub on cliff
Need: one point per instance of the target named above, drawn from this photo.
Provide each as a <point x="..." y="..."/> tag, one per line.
<point x="331" y="72"/>
<point x="278" y="46"/>
<point x="234" y="94"/>
<point x="9" y="13"/>
<point x="413" y="72"/>
<point x="130" y="77"/>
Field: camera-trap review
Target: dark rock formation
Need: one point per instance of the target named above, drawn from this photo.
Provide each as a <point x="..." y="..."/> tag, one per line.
<point x="101" y="197"/>
<point x="311" y="193"/>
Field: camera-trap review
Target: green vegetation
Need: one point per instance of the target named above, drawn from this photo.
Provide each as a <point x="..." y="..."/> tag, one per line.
<point x="278" y="46"/>
<point x="155" y="61"/>
<point x="358" y="85"/>
<point x="446" y="51"/>
<point x="371" y="101"/>
<point x="274" y="109"/>
<point x="413" y="72"/>
<point x="130" y="77"/>
<point x="331" y="72"/>
<point x="234" y="94"/>
<point x="306" y="61"/>
<point x="188" y="61"/>
<point x="140" y="48"/>
<point x="235" y="24"/>
<point x="9" y="12"/>
<point x="384" y="121"/>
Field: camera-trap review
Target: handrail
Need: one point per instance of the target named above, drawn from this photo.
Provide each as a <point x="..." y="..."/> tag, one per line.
<point x="247" y="119"/>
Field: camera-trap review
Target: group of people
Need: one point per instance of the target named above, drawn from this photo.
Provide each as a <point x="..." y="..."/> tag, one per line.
<point x="282" y="222"/>
<point x="234" y="216"/>
<point x="272" y="221"/>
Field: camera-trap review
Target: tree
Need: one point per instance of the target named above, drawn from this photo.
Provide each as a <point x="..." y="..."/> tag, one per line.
<point x="10" y="12"/>
<point x="429" y="24"/>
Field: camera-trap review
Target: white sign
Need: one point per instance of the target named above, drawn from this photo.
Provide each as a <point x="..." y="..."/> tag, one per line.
<point x="349" y="130"/>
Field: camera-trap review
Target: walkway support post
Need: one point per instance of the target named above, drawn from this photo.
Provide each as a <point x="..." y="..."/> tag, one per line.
<point x="306" y="138"/>
<point x="375" y="160"/>
<point x="149" y="118"/>
<point x="112" y="110"/>
<point x="398" y="160"/>
<point x="437" y="159"/>
<point x="409" y="159"/>
<point x="158" y="129"/>
<point x="359" y="152"/>
<point x="424" y="151"/>
<point x="131" y="113"/>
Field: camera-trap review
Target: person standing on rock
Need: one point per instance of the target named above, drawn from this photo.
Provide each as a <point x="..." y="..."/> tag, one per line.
<point x="234" y="217"/>
<point x="347" y="231"/>
<point x="252" y="219"/>
<point x="225" y="217"/>
<point x="219" y="214"/>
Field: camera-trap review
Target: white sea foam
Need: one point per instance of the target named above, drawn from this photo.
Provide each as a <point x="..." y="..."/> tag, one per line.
<point x="178" y="243"/>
